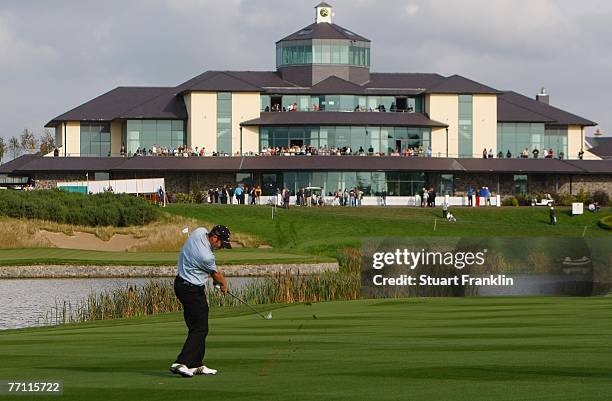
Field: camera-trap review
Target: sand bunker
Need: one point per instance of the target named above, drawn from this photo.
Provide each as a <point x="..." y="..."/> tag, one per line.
<point x="80" y="240"/>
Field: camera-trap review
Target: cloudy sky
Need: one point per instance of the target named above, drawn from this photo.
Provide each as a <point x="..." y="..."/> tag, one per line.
<point x="55" y="55"/>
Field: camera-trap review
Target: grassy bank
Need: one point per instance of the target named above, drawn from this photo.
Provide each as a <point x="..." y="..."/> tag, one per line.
<point x="52" y="256"/>
<point x="324" y="230"/>
<point x="425" y="349"/>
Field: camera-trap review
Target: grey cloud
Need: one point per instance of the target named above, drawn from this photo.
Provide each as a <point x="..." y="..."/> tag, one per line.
<point x="56" y="55"/>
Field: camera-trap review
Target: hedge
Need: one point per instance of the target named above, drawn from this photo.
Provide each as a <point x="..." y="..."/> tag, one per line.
<point x="606" y="222"/>
<point x="106" y="209"/>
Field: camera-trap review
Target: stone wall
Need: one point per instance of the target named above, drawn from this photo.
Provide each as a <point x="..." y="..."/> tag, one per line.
<point x="183" y="182"/>
<point x="50" y="180"/>
<point x="537" y="183"/>
<point x="589" y="183"/>
<point x="67" y="271"/>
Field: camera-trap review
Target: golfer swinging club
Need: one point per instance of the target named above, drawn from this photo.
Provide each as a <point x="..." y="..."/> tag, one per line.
<point x="196" y="261"/>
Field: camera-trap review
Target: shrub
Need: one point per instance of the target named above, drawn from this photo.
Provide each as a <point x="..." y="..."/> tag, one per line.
<point x="510" y="201"/>
<point x="606" y="222"/>
<point x="184" y="198"/>
<point x="584" y="197"/>
<point x="522" y="200"/>
<point x="601" y="197"/>
<point x="105" y="209"/>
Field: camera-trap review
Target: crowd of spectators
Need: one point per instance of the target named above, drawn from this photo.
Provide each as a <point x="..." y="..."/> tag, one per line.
<point x="307" y="150"/>
<point x="549" y="154"/>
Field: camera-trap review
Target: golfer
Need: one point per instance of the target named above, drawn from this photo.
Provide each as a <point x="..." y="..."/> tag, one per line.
<point x="195" y="263"/>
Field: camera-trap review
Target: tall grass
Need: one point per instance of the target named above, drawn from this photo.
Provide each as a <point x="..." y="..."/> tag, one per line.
<point x="157" y="297"/>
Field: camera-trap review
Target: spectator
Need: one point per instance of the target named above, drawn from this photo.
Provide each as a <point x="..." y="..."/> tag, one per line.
<point x="490" y="153"/>
<point x="258" y="194"/>
<point x="500" y="155"/>
<point x="581" y="154"/>
<point x="470" y="194"/>
<point x="508" y="154"/>
<point x="536" y="153"/>
<point x="484" y="153"/>
<point x="553" y="218"/>
<point x="286" y="198"/>
<point x="239" y="195"/>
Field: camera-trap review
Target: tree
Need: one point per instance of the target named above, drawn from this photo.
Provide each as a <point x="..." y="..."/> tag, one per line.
<point x="14" y="147"/>
<point x="2" y="148"/>
<point x="28" y="140"/>
<point x="47" y="142"/>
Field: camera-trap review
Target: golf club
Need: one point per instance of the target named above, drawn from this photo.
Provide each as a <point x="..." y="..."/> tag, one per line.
<point x="268" y="316"/>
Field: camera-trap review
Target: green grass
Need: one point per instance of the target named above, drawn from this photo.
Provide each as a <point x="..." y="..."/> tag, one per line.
<point x="419" y="349"/>
<point x="50" y="256"/>
<point x="324" y="230"/>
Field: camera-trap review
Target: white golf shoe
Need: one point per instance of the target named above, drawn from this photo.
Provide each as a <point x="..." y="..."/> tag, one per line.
<point x="180" y="369"/>
<point x="203" y="370"/>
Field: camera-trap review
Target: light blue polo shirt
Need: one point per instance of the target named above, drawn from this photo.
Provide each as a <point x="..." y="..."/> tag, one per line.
<point x="196" y="260"/>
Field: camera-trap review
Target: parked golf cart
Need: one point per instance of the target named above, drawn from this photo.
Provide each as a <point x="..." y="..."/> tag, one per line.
<point x="546" y="200"/>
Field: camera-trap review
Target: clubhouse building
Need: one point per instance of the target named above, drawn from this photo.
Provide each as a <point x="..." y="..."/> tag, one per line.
<point x="323" y="119"/>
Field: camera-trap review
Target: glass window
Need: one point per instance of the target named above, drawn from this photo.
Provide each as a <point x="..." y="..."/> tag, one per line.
<point x="520" y="184"/>
<point x="347" y="103"/>
<point x="446" y="184"/>
<point x="244" y="178"/>
<point x="308" y="54"/>
<point x="265" y="103"/>
<point x="317" y="49"/>
<point x="95" y="139"/>
<point x="344" y="54"/>
<point x="326" y="52"/>
<point x="358" y="139"/>
<point x="465" y="126"/>
<point x="335" y="55"/>
<point x="288" y="101"/>
<point x="304" y="103"/>
<point x="224" y="122"/>
<point x="101" y="176"/>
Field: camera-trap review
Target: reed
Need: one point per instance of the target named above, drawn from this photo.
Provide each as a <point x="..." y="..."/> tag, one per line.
<point x="157" y="297"/>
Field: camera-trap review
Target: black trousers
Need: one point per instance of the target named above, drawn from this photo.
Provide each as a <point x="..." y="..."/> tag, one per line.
<point x="195" y="312"/>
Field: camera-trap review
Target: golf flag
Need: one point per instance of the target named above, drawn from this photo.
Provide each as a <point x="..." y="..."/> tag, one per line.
<point x="185" y="230"/>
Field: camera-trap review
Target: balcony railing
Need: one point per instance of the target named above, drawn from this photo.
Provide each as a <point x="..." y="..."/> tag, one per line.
<point x="288" y="152"/>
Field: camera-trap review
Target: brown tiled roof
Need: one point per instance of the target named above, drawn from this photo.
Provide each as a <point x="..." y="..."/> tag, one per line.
<point x="510" y="112"/>
<point x="602" y="147"/>
<point x="340" y="118"/>
<point x="593" y="166"/>
<point x="324" y="30"/>
<point x="148" y="163"/>
<point x="403" y="80"/>
<point x="315" y="163"/>
<point x="460" y="85"/>
<point x="336" y="86"/>
<point x="127" y="102"/>
<point x="534" y="107"/>
<point x="519" y="165"/>
<point x="70" y="164"/>
<point x="17" y="163"/>
<point x="215" y="81"/>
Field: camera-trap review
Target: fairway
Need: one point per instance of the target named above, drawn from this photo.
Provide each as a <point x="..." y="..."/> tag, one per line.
<point x="50" y="256"/>
<point x="421" y="349"/>
<point x="322" y="231"/>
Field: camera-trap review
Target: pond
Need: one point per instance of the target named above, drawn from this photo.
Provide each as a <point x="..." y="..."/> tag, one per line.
<point x="24" y="302"/>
